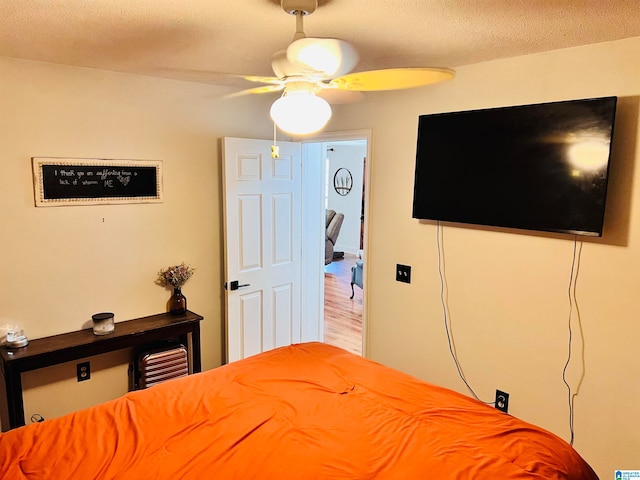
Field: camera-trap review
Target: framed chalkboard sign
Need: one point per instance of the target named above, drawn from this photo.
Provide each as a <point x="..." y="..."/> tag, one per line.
<point x="90" y="181"/>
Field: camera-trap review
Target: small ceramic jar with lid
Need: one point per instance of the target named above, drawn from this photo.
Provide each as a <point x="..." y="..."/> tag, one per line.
<point x="103" y="323"/>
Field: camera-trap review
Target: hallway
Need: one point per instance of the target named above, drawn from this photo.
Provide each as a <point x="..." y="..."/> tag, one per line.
<point x="342" y="315"/>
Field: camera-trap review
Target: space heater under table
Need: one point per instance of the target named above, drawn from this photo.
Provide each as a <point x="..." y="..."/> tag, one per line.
<point x="159" y="364"/>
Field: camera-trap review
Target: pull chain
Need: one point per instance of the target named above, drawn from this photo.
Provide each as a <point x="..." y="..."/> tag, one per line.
<point x="275" y="150"/>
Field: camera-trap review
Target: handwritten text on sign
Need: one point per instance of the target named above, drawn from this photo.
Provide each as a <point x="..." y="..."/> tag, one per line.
<point x="96" y="181"/>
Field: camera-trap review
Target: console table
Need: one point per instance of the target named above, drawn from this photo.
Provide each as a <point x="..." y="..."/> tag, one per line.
<point x="66" y="347"/>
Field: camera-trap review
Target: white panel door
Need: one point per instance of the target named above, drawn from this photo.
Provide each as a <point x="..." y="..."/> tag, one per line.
<point x="263" y="235"/>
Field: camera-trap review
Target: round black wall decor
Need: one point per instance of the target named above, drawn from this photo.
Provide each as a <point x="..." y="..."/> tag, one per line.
<point x="342" y="181"/>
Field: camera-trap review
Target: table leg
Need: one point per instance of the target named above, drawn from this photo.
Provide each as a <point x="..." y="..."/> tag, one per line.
<point x="195" y="343"/>
<point x="12" y="414"/>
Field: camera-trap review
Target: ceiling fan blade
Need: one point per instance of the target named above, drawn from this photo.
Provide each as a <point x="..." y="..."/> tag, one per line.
<point x="222" y="79"/>
<point x="257" y="90"/>
<point x="339" y="97"/>
<point x="391" y="79"/>
<point x="259" y="79"/>
<point x="330" y="57"/>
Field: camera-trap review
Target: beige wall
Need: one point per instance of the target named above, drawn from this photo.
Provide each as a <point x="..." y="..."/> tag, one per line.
<point x="62" y="264"/>
<point x="508" y="291"/>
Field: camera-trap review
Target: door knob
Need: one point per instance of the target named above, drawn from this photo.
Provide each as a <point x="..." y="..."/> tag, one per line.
<point x="234" y="285"/>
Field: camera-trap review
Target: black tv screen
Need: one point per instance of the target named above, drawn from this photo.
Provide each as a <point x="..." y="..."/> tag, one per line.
<point x="535" y="167"/>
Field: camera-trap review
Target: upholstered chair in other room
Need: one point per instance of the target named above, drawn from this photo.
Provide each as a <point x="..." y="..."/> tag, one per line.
<point x="333" y="225"/>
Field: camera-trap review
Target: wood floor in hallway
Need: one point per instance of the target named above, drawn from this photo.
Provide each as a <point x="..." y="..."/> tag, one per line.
<point x="342" y="315"/>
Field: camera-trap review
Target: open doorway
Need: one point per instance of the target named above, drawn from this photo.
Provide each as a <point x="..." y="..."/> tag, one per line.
<point x="345" y="167"/>
<point x="344" y="158"/>
<point x="298" y="235"/>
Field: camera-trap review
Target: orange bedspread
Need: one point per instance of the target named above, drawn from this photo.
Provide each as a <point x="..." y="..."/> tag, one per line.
<point x="308" y="411"/>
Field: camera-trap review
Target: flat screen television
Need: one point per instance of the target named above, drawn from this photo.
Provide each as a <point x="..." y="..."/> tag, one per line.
<point x="538" y="167"/>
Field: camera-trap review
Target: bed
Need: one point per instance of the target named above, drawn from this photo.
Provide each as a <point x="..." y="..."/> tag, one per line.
<point x="305" y="411"/>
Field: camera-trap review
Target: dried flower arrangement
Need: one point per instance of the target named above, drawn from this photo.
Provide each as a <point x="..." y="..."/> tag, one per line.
<point x="176" y="276"/>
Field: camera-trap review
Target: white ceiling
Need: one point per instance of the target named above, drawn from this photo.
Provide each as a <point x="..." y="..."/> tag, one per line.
<point x="195" y="39"/>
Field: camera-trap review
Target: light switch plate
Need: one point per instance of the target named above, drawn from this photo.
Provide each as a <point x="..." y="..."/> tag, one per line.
<point x="403" y="273"/>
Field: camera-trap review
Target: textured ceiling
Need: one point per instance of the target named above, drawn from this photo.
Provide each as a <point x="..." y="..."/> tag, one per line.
<point x="201" y="40"/>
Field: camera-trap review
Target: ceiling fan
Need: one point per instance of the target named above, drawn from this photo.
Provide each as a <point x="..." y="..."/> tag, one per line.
<point x="310" y="68"/>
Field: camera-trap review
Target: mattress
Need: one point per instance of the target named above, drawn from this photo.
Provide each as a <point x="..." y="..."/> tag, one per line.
<point x="306" y="411"/>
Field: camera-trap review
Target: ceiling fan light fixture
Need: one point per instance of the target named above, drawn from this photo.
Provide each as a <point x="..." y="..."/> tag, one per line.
<point x="313" y="69"/>
<point x="300" y="112"/>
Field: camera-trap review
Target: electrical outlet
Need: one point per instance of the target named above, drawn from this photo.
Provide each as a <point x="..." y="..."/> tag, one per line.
<point x="403" y="273"/>
<point x="83" y="371"/>
<point x="502" y="401"/>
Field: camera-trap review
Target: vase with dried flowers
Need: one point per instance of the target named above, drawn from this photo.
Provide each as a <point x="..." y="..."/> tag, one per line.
<point x="176" y="276"/>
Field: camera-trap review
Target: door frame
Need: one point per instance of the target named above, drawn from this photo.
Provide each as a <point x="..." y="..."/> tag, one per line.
<point x="313" y="215"/>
